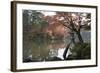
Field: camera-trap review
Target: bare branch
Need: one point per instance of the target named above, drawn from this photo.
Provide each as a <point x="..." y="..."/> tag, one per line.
<point x="68" y="27"/>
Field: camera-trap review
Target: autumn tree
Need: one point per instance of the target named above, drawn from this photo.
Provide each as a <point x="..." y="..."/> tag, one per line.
<point x="77" y="22"/>
<point x="73" y="21"/>
<point x="55" y="27"/>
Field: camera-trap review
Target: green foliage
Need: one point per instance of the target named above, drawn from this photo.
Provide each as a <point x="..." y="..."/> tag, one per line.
<point x="37" y="20"/>
<point x="34" y="19"/>
<point x="33" y="23"/>
<point x="80" y="51"/>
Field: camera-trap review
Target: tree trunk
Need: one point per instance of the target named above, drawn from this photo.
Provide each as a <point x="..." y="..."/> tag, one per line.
<point x="65" y="52"/>
<point x="79" y="37"/>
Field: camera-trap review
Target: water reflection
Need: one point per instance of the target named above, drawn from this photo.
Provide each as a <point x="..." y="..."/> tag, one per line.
<point x="43" y="50"/>
<point x="40" y="49"/>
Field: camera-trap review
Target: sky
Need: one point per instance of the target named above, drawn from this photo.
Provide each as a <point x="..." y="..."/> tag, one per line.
<point x="48" y="13"/>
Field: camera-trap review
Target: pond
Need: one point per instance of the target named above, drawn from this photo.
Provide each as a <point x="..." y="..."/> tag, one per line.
<point x="40" y="49"/>
<point x="43" y="50"/>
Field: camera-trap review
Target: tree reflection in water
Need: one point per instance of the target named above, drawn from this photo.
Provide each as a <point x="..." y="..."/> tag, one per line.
<point x="43" y="50"/>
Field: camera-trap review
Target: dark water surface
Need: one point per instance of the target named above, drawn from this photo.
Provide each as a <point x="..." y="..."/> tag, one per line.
<point x="39" y="49"/>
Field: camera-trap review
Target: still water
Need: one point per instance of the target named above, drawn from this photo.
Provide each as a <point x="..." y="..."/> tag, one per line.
<point x="43" y="50"/>
<point x="40" y="49"/>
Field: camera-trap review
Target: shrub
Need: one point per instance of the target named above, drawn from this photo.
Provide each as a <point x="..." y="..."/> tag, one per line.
<point x="80" y="51"/>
